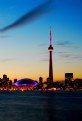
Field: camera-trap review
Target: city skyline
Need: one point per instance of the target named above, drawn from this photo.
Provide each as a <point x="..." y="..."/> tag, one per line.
<point x="23" y="50"/>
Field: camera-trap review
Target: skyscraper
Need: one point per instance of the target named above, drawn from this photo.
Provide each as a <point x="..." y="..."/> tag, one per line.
<point x="50" y="49"/>
<point x="68" y="79"/>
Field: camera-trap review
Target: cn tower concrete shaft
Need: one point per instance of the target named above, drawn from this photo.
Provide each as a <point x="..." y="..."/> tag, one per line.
<point x="51" y="68"/>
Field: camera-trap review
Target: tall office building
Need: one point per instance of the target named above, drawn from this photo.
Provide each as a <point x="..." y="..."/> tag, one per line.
<point x="50" y="49"/>
<point x="5" y="80"/>
<point x="40" y="82"/>
<point x="68" y="79"/>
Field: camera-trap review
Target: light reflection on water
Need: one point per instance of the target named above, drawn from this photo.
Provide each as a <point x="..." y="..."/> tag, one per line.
<point x="41" y="106"/>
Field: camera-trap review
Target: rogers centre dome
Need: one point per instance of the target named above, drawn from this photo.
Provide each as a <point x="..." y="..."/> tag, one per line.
<point x="25" y="83"/>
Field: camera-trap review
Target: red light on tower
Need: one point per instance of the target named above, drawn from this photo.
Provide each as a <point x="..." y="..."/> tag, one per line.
<point x="50" y="49"/>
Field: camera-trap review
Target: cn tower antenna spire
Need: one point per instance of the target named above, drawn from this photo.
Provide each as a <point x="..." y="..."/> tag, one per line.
<point x="50" y="36"/>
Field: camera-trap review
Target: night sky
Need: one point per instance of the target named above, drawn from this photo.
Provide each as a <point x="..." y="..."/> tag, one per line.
<point x="24" y="38"/>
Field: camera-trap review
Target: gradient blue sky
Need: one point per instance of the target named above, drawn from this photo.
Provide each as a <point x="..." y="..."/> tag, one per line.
<point x="24" y="49"/>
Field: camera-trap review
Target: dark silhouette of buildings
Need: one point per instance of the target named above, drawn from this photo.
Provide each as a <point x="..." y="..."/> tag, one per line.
<point x="49" y="83"/>
<point x="68" y="84"/>
<point x="40" y="83"/>
<point x="78" y="83"/>
<point x="5" y="80"/>
<point x="50" y="49"/>
<point x="68" y="79"/>
<point x="5" y="83"/>
<point x="0" y="82"/>
<point x="15" y="80"/>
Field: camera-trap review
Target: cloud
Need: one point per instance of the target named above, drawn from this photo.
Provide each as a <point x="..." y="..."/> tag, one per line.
<point x="64" y="43"/>
<point x="66" y="55"/>
<point x="68" y="62"/>
<point x="30" y="16"/>
<point x="7" y="60"/>
<point x="41" y="45"/>
<point x="77" y="57"/>
<point x="61" y="52"/>
<point x="4" y="36"/>
<point x="44" y="60"/>
<point x="70" y="56"/>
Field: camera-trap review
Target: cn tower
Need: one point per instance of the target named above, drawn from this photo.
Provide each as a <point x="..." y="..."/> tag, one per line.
<point x="50" y="49"/>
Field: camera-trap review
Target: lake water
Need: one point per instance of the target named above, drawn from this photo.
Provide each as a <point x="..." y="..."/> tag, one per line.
<point x="41" y="106"/>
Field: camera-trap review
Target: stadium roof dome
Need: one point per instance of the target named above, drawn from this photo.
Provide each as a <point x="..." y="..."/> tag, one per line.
<point x="26" y="82"/>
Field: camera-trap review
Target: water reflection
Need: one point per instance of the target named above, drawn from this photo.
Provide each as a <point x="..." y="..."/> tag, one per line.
<point x="40" y="106"/>
<point x="50" y="106"/>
